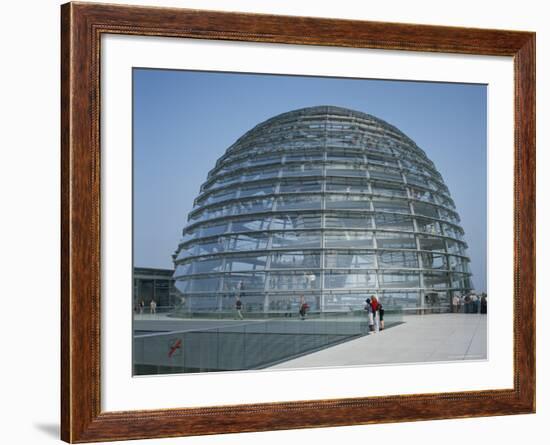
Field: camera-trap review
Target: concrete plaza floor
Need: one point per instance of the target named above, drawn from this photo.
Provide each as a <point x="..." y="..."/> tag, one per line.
<point x="421" y="338"/>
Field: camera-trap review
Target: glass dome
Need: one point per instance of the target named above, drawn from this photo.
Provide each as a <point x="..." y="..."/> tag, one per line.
<point x="327" y="203"/>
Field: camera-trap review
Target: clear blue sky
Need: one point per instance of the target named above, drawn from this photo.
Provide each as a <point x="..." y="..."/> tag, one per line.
<point x="185" y="120"/>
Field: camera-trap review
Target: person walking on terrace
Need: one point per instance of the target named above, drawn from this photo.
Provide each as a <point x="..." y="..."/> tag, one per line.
<point x="239" y="307"/>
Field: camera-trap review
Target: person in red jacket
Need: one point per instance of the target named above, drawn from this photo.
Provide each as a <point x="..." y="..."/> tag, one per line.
<point x="303" y="308"/>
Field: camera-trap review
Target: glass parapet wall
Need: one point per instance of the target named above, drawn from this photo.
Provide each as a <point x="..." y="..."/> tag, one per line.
<point x="326" y="203"/>
<point x="224" y="345"/>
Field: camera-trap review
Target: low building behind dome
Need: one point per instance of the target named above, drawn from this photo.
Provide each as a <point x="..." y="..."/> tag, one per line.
<point x="325" y="202"/>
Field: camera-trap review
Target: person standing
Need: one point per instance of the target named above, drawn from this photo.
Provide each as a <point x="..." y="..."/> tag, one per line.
<point x="456" y="302"/>
<point x="483" y="304"/>
<point x="375" y="313"/>
<point x="381" y="312"/>
<point x="475" y="304"/>
<point x="141" y="306"/>
<point x="239" y="307"/>
<point x="368" y="309"/>
<point x="303" y="308"/>
<point x="153" y="306"/>
<point x="467" y="304"/>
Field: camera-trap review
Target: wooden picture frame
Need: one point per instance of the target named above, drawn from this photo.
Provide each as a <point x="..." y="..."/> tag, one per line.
<point x="82" y="25"/>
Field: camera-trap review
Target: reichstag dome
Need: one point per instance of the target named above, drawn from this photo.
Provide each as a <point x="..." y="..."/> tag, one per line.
<point x="327" y="203"/>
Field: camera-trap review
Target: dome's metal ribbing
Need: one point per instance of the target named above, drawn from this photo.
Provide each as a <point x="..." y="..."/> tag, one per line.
<point x="325" y="202"/>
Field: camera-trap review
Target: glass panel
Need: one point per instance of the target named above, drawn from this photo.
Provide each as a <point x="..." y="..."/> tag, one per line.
<point x="207" y="266"/>
<point x="417" y="180"/>
<point x="347" y="202"/>
<point x="381" y="160"/>
<point x="399" y="280"/>
<point x="241" y="283"/>
<point x="344" y="302"/>
<point x="262" y="173"/>
<point x="300" y="186"/>
<point x="291" y="260"/>
<point x="292" y="281"/>
<point x="400" y="299"/>
<point x="410" y="165"/>
<point x="225" y="180"/>
<point x="424" y="209"/>
<point x="211" y="247"/>
<point x="302" y="170"/>
<point x="351" y="157"/>
<point x="349" y="260"/>
<point x="389" y="190"/>
<point x="221" y="196"/>
<point x="189" y="235"/>
<point x="208" y="284"/>
<point x="299" y="203"/>
<point x="257" y="190"/>
<point x="456" y="280"/>
<point x="296" y="222"/>
<point x="452" y="231"/>
<point x="450" y="216"/>
<point x="183" y="269"/>
<point x="247" y="225"/>
<point x="436" y="280"/>
<point x="342" y="280"/>
<point x="347" y="185"/>
<point x="428" y="226"/>
<point x="217" y="212"/>
<point x="259" y="160"/>
<point x="187" y="251"/>
<point x="434" y="260"/>
<point x="385" y="174"/>
<point x="455" y="263"/>
<point x="447" y="202"/>
<point x="296" y="240"/>
<point x="342" y="142"/>
<point x="394" y="205"/>
<point x="251" y="241"/>
<point x="348" y="239"/>
<point x="397" y="259"/>
<point x="213" y="230"/>
<point x="183" y="286"/>
<point x="395" y="241"/>
<point x="346" y="170"/>
<point x="432" y="243"/>
<point x="292" y="157"/>
<point x="249" y="263"/>
<point x="455" y="247"/>
<point x="255" y="205"/>
<point x="422" y="195"/>
<point x="232" y="166"/>
<point x="349" y="221"/>
<point x="396" y="222"/>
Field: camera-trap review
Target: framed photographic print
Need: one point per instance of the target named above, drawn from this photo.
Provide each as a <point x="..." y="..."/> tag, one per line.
<point x="274" y="222"/>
